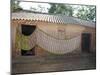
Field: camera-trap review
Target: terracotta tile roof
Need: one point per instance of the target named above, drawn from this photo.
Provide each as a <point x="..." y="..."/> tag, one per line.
<point x="62" y="19"/>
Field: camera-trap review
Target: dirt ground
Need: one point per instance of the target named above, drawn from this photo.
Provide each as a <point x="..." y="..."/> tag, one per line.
<point x="30" y="64"/>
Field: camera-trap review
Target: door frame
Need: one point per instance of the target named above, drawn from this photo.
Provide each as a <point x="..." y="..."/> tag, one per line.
<point x="88" y="35"/>
<point x="33" y="49"/>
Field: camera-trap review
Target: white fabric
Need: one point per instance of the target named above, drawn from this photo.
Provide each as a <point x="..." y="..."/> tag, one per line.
<point x="54" y="45"/>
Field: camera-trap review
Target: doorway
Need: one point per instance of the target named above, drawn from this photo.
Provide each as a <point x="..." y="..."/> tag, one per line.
<point x="30" y="52"/>
<point x="86" y="42"/>
<point x="27" y="30"/>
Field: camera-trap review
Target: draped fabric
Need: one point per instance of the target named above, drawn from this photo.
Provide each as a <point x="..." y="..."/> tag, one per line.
<point x="24" y="42"/>
<point x="57" y="46"/>
<point x="27" y="42"/>
<point x="48" y="42"/>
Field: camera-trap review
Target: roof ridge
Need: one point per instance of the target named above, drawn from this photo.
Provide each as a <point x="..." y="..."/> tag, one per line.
<point x="53" y="14"/>
<point x="52" y="18"/>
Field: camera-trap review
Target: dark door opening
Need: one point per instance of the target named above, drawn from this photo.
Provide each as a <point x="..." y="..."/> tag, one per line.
<point x="86" y="42"/>
<point x="28" y="29"/>
<point x="30" y="52"/>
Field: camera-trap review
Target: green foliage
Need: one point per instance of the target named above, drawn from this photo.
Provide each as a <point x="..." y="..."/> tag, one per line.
<point x="15" y="6"/>
<point x="87" y="13"/>
<point x="83" y="12"/>
<point x="61" y="9"/>
<point x="80" y="11"/>
<point x="52" y="9"/>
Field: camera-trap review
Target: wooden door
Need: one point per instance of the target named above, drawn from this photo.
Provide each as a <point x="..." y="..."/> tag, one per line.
<point x="86" y="42"/>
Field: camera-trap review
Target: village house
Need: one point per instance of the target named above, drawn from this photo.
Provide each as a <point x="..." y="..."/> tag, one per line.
<point x="39" y="34"/>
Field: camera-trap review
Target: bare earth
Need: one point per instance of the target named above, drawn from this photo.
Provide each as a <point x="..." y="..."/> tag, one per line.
<point x="30" y="64"/>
